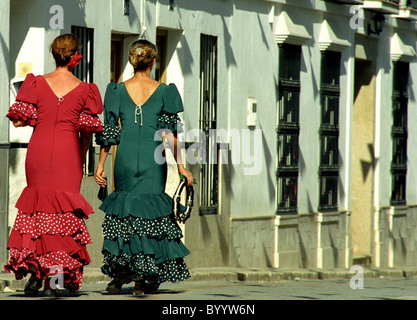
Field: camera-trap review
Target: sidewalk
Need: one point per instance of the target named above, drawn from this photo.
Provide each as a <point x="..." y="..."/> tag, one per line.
<point x="259" y="275"/>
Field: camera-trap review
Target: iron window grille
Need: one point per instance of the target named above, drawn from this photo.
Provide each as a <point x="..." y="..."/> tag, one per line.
<point x="399" y="132"/>
<point x="329" y="131"/>
<point x="288" y="128"/>
<point x="84" y="72"/>
<point x="209" y="175"/>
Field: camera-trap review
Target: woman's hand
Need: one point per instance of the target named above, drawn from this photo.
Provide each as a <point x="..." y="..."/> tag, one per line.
<point x="18" y="123"/>
<point x="99" y="176"/>
<point x="186" y="173"/>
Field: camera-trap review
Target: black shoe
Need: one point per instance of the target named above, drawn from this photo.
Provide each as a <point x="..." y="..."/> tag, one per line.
<point x="51" y="293"/>
<point x="144" y="286"/>
<point x="32" y="286"/>
<point x="116" y="284"/>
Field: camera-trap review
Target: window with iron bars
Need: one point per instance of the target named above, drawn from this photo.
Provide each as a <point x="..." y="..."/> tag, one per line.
<point x="329" y="131"/>
<point x="209" y="175"/>
<point x="288" y="128"/>
<point x="84" y="72"/>
<point x="399" y="132"/>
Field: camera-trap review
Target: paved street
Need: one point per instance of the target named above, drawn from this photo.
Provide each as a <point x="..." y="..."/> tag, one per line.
<point x="373" y="289"/>
<point x="224" y="299"/>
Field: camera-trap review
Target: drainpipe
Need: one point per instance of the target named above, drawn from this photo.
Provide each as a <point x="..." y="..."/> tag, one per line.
<point x="142" y="19"/>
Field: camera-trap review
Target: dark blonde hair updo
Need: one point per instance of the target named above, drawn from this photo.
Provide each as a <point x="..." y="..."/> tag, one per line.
<point x="63" y="48"/>
<point x="142" y="54"/>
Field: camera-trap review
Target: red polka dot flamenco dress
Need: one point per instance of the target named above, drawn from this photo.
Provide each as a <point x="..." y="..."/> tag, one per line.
<point x="49" y="232"/>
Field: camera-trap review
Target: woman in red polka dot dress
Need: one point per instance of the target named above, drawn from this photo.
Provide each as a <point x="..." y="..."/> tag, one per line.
<point x="49" y="234"/>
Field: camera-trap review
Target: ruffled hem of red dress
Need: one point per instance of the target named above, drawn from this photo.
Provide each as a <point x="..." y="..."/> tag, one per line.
<point x="53" y="201"/>
<point x="49" y="264"/>
<point x="47" y="243"/>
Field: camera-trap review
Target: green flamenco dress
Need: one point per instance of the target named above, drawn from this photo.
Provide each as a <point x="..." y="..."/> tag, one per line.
<point x="141" y="236"/>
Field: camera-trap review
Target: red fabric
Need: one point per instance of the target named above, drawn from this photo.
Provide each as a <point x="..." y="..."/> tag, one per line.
<point x="49" y="229"/>
<point x="23" y="111"/>
<point x="52" y="201"/>
<point x="28" y="91"/>
<point x="46" y="251"/>
<point x="41" y="223"/>
<point x="48" y="244"/>
<point x="72" y="266"/>
<point x="89" y="123"/>
<point x="93" y="104"/>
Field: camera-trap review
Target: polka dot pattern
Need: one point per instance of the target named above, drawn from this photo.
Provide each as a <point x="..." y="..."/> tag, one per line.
<point x="147" y="248"/>
<point x="34" y="234"/>
<point x="40" y="223"/>
<point x="23" y="111"/>
<point x="89" y="123"/>
<point x="171" y="122"/>
<point x="141" y="265"/>
<point x="109" y="136"/>
<point x="160" y="228"/>
<point x="22" y="260"/>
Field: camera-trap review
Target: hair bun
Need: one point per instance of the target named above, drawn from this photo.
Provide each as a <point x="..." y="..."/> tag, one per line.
<point x="142" y="54"/>
<point x="64" y="47"/>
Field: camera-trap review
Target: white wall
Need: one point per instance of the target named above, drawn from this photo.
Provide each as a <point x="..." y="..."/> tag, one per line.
<point x="32" y="53"/>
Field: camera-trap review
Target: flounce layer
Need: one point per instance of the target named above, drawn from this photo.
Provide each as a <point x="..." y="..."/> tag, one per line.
<point x="142" y="266"/>
<point x="139" y="205"/>
<point x="161" y="250"/>
<point x="40" y="224"/>
<point x="110" y="135"/>
<point x="48" y="264"/>
<point x="171" y="122"/>
<point x="52" y="201"/>
<point x="142" y="238"/>
<point x="23" y="111"/>
<point x="89" y="123"/>
<point x="161" y="228"/>
<point x="49" y="243"/>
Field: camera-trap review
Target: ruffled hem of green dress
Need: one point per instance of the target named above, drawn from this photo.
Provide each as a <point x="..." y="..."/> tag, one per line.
<point x="142" y="238"/>
<point x="144" y="266"/>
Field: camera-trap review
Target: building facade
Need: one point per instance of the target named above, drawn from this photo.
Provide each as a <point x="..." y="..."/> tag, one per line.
<point x="298" y="120"/>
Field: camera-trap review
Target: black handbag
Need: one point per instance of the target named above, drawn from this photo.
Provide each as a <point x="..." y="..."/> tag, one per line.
<point x="102" y="192"/>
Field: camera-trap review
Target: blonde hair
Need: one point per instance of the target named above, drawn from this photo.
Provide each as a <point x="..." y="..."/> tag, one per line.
<point x="142" y="54"/>
<point x="63" y="48"/>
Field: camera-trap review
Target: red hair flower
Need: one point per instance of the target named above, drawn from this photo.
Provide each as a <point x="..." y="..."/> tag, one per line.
<point x="75" y="60"/>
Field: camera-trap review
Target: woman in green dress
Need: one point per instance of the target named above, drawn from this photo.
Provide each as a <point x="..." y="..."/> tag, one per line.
<point x="142" y="241"/>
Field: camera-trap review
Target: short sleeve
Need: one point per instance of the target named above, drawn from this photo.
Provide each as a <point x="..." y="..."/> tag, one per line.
<point x="111" y="129"/>
<point x="24" y="108"/>
<point x="28" y="92"/>
<point x="172" y="105"/>
<point x="94" y="104"/>
<point x="172" y="100"/>
<point x="89" y="121"/>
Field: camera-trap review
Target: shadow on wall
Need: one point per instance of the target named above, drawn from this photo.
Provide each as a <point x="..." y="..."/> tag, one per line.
<point x="26" y="14"/>
<point x="223" y="12"/>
